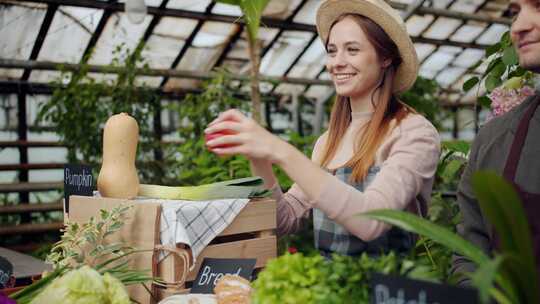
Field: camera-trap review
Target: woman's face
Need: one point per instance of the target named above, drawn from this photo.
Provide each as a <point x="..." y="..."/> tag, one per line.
<point x="352" y="60"/>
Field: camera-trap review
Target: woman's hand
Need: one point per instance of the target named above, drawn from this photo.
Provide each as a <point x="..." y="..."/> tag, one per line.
<point x="245" y="137"/>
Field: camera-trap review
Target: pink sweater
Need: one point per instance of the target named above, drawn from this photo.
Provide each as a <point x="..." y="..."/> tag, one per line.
<point x="407" y="158"/>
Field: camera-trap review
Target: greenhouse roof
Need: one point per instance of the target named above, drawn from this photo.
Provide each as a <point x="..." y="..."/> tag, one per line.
<point x="198" y="35"/>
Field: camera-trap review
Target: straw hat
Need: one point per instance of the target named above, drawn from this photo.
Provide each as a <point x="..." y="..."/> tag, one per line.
<point x="388" y="19"/>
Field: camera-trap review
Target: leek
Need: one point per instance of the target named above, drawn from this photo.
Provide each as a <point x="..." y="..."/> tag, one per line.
<point x="249" y="187"/>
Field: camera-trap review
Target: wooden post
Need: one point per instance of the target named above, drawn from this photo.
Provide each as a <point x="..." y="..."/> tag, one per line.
<point x="22" y="129"/>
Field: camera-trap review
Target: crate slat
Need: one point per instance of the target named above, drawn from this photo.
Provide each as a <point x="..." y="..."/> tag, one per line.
<point x="256" y="216"/>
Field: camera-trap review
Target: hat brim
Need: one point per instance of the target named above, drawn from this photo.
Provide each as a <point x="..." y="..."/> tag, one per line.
<point x="385" y="16"/>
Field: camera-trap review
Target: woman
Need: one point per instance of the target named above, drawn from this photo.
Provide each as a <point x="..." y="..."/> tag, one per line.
<point x="377" y="154"/>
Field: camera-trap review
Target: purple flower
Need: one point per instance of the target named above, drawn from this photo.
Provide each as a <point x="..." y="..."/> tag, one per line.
<point x="503" y="100"/>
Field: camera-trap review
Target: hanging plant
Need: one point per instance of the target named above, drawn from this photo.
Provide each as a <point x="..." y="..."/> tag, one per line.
<point x="502" y="66"/>
<point x="252" y="10"/>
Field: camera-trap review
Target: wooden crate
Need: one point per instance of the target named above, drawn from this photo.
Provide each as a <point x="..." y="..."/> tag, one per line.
<point x="250" y="235"/>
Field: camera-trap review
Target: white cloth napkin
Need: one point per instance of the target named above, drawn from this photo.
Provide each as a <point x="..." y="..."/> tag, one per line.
<point x="196" y="223"/>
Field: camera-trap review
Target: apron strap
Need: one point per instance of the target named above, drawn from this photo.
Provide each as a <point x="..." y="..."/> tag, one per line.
<point x="519" y="141"/>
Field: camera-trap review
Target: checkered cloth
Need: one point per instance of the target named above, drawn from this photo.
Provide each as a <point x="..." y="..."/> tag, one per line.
<point x="331" y="237"/>
<point x="196" y="223"/>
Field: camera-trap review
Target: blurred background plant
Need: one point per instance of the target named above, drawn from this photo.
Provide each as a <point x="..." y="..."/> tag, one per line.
<point x="81" y="104"/>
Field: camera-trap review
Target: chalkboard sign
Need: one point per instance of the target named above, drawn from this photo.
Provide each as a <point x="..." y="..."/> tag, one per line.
<point x="394" y="289"/>
<point x="78" y="180"/>
<point x="213" y="269"/>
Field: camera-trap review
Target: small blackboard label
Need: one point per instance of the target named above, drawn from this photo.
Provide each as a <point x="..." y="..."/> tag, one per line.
<point x="394" y="289"/>
<point x="78" y="180"/>
<point x="213" y="269"/>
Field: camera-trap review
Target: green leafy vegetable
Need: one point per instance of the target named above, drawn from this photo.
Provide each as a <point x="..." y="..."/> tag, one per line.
<point x="83" y="286"/>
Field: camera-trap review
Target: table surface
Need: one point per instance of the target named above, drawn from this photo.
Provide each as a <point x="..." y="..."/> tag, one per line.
<point x="24" y="265"/>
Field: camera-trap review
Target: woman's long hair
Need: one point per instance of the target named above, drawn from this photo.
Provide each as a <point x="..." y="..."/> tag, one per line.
<point x="387" y="109"/>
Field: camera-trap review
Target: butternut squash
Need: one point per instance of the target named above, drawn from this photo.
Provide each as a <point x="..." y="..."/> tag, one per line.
<point x="118" y="175"/>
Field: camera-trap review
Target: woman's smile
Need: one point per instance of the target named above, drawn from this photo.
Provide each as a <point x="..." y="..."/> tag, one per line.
<point x="341" y="79"/>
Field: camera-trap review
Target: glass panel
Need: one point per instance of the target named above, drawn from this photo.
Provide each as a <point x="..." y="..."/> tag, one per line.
<point x="45" y="176"/>
<point x="450" y="75"/>
<point x="204" y="52"/>
<point x="283" y="52"/>
<point x="45" y="136"/>
<point x="417" y="24"/>
<point x="8" y="112"/>
<point x="437" y="61"/>
<point x="235" y="66"/>
<point x="442" y="28"/>
<point x="190" y="5"/>
<point x="118" y="31"/>
<point x="325" y="76"/>
<point x="454" y="50"/>
<point x="226" y="9"/>
<point x="467" y="33"/>
<point x="423" y="50"/>
<point x="448" y="126"/>
<point x="493" y="34"/>
<point x="44" y="76"/>
<point x="466" y="124"/>
<point x="25" y="20"/>
<point x="239" y="50"/>
<point x="101" y="77"/>
<point x="319" y="91"/>
<point x="166" y="41"/>
<point x="33" y="103"/>
<point x="147" y="2"/>
<point x="8" y="156"/>
<point x="70" y="31"/>
<point x="288" y="89"/>
<point x="469" y="57"/>
<point x="466" y="6"/>
<point x="311" y="63"/>
<point x="47" y="155"/>
<point x="280" y="9"/>
<point x="148" y="81"/>
<point x="441" y="3"/>
<point x="308" y="12"/>
<point x="265" y="34"/>
<point x="426" y="72"/>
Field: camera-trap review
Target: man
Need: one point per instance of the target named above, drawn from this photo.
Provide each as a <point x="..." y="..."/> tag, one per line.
<point x="509" y="145"/>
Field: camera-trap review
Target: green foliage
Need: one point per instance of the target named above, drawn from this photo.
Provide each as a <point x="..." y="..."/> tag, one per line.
<point x="411" y="222"/>
<point x="312" y="279"/>
<point x="510" y="277"/>
<point x="451" y="165"/>
<point x="502" y="64"/>
<point x="83" y="286"/>
<point x="423" y="98"/>
<point x="431" y="258"/>
<point x="304" y="144"/>
<point x="252" y="10"/>
<point x="87" y="244"/>
<point x="502" y="206"/>
<point x="79" y="109"/>
<point x="195" y="164"/>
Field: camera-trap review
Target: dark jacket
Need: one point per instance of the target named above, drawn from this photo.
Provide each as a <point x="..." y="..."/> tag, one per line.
<point x="489" y="152"/>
